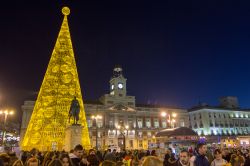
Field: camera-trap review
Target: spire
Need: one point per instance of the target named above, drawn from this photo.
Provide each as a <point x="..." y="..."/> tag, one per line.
<point x="46" y="129"/>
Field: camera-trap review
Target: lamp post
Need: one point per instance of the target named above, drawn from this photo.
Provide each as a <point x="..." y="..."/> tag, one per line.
<point x="96" y="118"/>
<point x="123" y="128"/>
<point x="6" y="113"/>
<point x="170" y="119"/>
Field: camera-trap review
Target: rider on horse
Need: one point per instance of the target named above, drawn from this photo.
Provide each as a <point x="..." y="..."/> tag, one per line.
<point x="74" y="110"/>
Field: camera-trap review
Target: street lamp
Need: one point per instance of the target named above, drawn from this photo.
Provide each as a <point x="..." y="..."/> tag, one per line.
<point x="6" y="113"/>
<point x="122" y="128"/>
<point x="96" y="118"/>
<point x="171" y="117"/>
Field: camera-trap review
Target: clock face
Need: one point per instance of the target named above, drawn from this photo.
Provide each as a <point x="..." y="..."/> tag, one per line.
<point x="120" y="85"/>
<point x="112" y="86"/>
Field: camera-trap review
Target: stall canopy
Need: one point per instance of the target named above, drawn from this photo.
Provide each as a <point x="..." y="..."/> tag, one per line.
<point x="180" y="131"/>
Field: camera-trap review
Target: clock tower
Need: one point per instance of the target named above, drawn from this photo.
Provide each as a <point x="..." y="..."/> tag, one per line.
<point x="118" y="83"/>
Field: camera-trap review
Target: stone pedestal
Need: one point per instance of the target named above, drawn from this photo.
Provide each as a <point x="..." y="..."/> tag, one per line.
<point x="73" y="136"/>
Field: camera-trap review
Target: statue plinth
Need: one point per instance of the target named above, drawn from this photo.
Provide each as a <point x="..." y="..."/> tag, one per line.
<point x="73" y="136"/>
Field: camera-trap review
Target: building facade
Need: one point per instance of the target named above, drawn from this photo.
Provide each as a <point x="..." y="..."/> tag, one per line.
<point x="122" y="117"/>
<point x="224" y="123"/>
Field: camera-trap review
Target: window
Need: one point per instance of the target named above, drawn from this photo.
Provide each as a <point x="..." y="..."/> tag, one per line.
<point x="111" y="124"/>
<point x="89" y="121"/>
<point x="201" y="125"/>
<point x="148" y="124"/>
<point x="140" y="134"/>
<point x="182" y="123"/>
<point x="130" y="123"/>
<point x="140" y="143"/>
<point x="149" y="134"/>
<point x="111" y="133"/>
<point x="99" y="123"/>
<point x="164" y="124"/>
<point x="156" y="123"/>
<point x="131" y="143"/>
<point x="139" y="121"/>
<point x="99" y="134"/>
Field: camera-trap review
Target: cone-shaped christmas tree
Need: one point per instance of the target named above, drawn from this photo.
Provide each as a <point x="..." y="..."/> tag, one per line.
<point x="50" y="117"/>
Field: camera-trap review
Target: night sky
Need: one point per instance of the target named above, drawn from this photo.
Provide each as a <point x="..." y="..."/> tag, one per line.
<point x="174" y="53"/>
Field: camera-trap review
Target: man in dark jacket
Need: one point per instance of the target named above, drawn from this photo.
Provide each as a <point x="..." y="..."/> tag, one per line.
<point x="200" y="159"/>
<point x="76" y="155"/>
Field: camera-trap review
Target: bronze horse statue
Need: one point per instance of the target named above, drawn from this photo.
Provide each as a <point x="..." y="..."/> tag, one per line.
<point x="74" y="110"/>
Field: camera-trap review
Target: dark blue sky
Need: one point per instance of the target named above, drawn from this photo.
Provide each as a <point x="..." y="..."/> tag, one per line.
<point x="174" y="53"/>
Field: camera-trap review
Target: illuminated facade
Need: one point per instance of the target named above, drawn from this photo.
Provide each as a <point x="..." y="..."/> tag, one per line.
<point x="223" y="123"/>
<point x="117" y="108"/>
<point x="49" y="119"/>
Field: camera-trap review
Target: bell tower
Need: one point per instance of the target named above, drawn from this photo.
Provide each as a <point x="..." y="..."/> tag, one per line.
<point x="118" y="83"/>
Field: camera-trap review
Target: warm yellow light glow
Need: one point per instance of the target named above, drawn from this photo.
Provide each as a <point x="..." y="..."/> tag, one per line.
<point x="11" y="112"/>
<point x="1" y="112"/>
<point x="65" y="11"/>
<point x="173" y="120"/>
<point x="126" y="127"/>
<point x="163" y="114"/>
<point x="174" y="115"/>
<point x="118" y="127"/>
<point x="60" y="85"/>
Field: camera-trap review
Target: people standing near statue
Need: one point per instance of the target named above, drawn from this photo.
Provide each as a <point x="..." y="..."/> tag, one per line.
<point x="76" y="155"/>
<point x="200" y="159"/>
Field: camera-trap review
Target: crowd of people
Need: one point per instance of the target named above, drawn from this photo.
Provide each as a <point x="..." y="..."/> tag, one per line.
<point x="202" y="156"/>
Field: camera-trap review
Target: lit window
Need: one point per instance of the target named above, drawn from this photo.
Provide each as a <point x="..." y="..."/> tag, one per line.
<point x="139" y="121"/>
<point x="89" y="121"/>
<point x="164" y="124"/>
<point x="140" y="143"/>
<point x="148" y="124"/>
<point x="156" y="123"/>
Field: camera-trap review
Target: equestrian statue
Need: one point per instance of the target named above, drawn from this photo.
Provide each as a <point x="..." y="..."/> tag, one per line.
<point x="74" y="110"/>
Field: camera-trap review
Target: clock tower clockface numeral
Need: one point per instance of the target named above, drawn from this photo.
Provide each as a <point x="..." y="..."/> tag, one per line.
<point x="120" y="85"/>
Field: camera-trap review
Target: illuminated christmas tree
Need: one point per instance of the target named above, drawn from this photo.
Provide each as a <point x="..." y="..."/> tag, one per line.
<point x="50" y="117"/>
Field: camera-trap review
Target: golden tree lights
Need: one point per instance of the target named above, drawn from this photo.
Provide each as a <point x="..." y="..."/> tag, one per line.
<point x="49" y="119"/>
